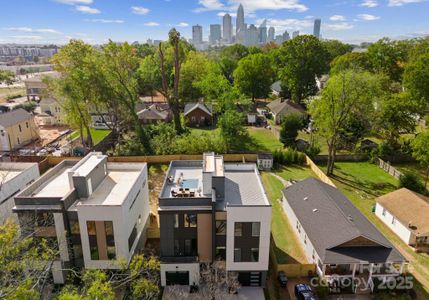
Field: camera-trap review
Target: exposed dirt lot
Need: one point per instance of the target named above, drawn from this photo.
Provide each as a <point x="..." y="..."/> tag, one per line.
<point x="157" y="174"/>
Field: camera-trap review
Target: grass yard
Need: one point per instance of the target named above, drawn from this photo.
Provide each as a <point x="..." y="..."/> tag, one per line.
<point x="11" y="91"/>
<point x="264" y="139"/>
<point x="97" y="134"/>
<point x="413" y="168"/>
<point x="362" y="183"/>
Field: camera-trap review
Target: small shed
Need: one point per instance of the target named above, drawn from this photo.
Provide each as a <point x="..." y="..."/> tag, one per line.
<point x="265" y="161"/>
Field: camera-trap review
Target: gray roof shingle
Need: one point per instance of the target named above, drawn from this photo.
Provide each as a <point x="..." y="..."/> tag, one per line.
<point x="285" y="106"/>
<point x="331" y="220"/>
<point x="207" y="108"/>
<point x="14" y="117"/>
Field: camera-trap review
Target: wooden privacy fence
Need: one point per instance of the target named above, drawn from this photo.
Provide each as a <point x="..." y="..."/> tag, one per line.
<point x="386" y="166"/>
<point x="322" y="176"/>
<point x="292" y="270"/>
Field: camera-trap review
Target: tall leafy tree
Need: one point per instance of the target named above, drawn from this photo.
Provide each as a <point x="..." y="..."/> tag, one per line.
<point x="302" y="59"/>
<point x="193" y="70"/>
<point x="6" y="77"/>
<point x="420" y="147"/>
<point x="347" y="94"/>
<point x="336" y="48"/>
<point x="416" y="78"/>
<point x="232" y="130"/>
<point x="149" y="75"/>
<point x="229" y="58"/>
<point x="351" y="60"/>
<point x="290" y="126"/>
<point x="254" y="76"/>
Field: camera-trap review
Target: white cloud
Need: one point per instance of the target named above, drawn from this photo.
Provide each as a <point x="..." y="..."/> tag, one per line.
<point x="106" y="21"/>
<point x="74" y="2"/>
<point x="251" y="5"/>
<point x="139" y="10"/>
<point x="29" y="29"/>
<point x="338" y="26"/>
<point x="367" y="17"/>
<point x="87" y="10"/>
<point x="27" y="37"/>
<point x="151" y="24"/>
<point x="287" y="24"/>
<point x="369" y="3"/>
<point x="336" y="18"/>
<point x="222" y="13"/>
<point x="403" y="2"/>
<point x="182" y="24"/>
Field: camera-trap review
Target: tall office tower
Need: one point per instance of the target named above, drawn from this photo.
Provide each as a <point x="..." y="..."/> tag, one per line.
<point x="263" y="33"/>
<point x="316" y="29"/>
<point x="295" y="34"/>
<point x="240" y="28"/>
<point x="279" y="39"/>
<point x="227" y="29"/>
<point x="271" y="35"/>
<point x="197" y="34"/>
<point x="286" y="36"/>
<point x="252" y="36"/>
<point x="215" y="34"/>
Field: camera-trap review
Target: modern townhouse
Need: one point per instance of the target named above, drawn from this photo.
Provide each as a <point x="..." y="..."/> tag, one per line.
<point x="14" y="177"/>
<point x="337" y="238"/>
<point x="213" y="211"/>
<point x="96" y="212"/>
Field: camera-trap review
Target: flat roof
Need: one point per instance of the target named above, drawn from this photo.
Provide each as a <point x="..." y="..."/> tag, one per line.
<point x="410" y="208"/>
<point x="6" y="175"/>
<point x="180" y="171"/>
<point x="86" y="165"/>
<point x="57" y="186"/>
<point x="113" y="189"/>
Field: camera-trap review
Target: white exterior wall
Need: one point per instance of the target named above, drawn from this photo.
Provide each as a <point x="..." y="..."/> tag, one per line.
<point x="29" y="173"/>
<point x="193" y="269"/>
<point x="248" y="214"/>
<point x="123" y="219"/>
<point x="308" y="246"/>
<point x="61" y="236"/>
<point x="55" y="109"/>
<point x="398" y="228"/>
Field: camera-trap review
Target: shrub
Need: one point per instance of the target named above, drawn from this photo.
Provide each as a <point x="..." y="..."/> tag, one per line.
<point x="322" y="291"/>
<point x="313" y="150"/>
<point x="412" y="182"/>
<point x="288" y="156"/>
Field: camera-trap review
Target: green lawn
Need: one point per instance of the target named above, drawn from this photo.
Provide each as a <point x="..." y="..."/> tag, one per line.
<point x="362" y="183"/>
<point x="97" y="134"/>
<point x="295" y="172"/>
<point x="413" y="168"/>
<point x="264" y="139"/>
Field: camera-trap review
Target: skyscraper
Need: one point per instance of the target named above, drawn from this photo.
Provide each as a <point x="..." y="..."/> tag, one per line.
<point x="197" y="35"/>
<point x="263" y="33"/>
<point x="227" y="29"/>
<point x="240" y="28"/>
<point x="316" y="29"/>
<point x="252" y="36"/>
<point x="271" y="34"/>
<point x="286" y="36"/>
<point x="295" y="34"/>
<point x="215" y="34"/>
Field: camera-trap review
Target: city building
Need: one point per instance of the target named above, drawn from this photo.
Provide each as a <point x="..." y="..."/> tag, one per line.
<point x="295" y="34"/>
<point x="227" y="29"/>
<point x="279" y="39"/>
<point x="271" y="34"/>
<point x="197" y="35"/>
<point x="17" y="129"/>
<point x="263" y="33"/>
<point x="95" y="212"/>
<point x="337" y="237"/>
<point x="215" y="34"/>
<point x="240" y="27"/>
<point x="14" y="177"/>
<point x="286" y="36"/>
<point x="316" y="29"/>
<point x="213" y="211"/>
<point x="406" y="213"/>
<point x="252" y="36"/>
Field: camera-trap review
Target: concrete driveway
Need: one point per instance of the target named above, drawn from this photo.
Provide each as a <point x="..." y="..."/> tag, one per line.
<point x="182" y="292"/>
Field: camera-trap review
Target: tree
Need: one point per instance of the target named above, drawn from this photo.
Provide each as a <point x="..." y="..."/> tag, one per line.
<point x="350" y="60"/>
<point x="254" y="76"/>
<point x="214" y="85"/>
<point x="396" y="113"/>
<point x="302" y="59"/>
<point x="292" y="123"/>
<point x="172" y="94"/>
<point x="75" y="62"/>
<point x="193" y="70"/>
<point x="346" y="94"/>
<point x="416" y="78"/>
<point x="149" y="75"/>
<point x="6" y="77"/>
<point x="229" y="58"/>
<point x="335" y="48"/>
<point x="232" y="130"/>
<point x="412" y="182"/>
<point x="420" y="147"/>
<point x="25" y="261"/>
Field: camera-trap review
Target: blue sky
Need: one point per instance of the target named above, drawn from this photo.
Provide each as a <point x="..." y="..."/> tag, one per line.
<point x="95" y="21"/>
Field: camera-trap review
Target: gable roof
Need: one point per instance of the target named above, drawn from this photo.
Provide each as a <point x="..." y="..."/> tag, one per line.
<point x="207" y="108"/>
<point x="276" y="87"/>
<point x="330" y="221"/>
<point x="153" y="112"/>
<point x="14" y="117"/>
<point x="285" y="106"/>
<point x="409" y="208"/>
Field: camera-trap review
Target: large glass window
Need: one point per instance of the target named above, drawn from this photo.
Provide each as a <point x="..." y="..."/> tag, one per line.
<point x="176" y="248"/>
<point x="237" y="255"/>
<point x="132" y="237"/>
<point x="256" y="227"/>
<point x="190" y="220"/>
<point x="176" y="220"/>
<point x="221" y="227"/>
<point x="110" y="240"/>
<point x="92" y="237"/>
<point x="238" y="229"/>
<point x="188" y="249"/>
<point x="254" y="254"/>
<point x="74" y="227"/>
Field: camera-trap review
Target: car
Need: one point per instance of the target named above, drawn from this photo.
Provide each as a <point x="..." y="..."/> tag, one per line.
<point x="303" y="292"/>
<point x="281" y="277"/>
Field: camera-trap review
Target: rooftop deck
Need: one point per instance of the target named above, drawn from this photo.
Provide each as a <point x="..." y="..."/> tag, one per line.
<point x="55" y="186"/>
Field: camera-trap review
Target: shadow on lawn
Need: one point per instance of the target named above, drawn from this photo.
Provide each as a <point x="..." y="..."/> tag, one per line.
<point x="281" y="256"/>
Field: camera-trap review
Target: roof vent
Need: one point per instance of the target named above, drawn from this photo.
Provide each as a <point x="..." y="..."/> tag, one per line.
<point x="305" y="198"/>
<point x="315" y="210"/>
